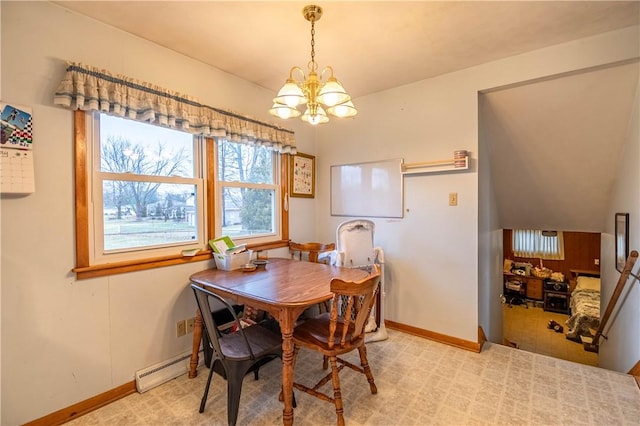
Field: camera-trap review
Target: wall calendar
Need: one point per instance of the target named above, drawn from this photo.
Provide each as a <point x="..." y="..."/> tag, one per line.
<point x="16" y="150"/>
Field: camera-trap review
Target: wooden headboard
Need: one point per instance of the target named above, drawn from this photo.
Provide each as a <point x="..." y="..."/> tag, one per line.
<point x="575" y="273"/>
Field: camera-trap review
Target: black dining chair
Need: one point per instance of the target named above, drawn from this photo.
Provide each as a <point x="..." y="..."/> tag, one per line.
<point x="236" y="353"/>
<point x="223" y="319"/>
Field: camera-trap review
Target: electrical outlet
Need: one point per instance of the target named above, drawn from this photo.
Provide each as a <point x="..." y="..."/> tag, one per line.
<point x="181" y="328"/>
<point x="191" y="323"/>
<point x="596" y="261"/>
<point x="453" y="199"/>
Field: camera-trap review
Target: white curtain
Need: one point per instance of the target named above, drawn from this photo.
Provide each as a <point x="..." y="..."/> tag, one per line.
<point x="538" y="244"/>
<point x="92" y="89"/>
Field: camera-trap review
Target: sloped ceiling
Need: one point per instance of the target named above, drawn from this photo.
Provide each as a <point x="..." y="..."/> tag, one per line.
<point x="554" y="144"/>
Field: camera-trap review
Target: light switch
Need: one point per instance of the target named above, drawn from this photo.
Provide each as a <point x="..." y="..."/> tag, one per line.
<point x="453" y="199"/>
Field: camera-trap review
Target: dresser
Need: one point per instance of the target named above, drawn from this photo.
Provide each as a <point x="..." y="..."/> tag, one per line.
<point x="533" y="286"/>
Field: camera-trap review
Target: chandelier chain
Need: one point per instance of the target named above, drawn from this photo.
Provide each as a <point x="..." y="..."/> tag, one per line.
<point x="313" y="66"/>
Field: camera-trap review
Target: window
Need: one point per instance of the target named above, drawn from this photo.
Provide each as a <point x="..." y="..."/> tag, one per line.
<point x="547" y="245"/>
<point x="144" y="193"/>
<point x="247" y="192"/>
<point x="147" y="189"/>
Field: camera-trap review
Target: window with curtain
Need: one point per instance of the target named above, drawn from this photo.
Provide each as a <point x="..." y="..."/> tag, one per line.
<point x="158" y="174"/>
<point x="546" y="245"/>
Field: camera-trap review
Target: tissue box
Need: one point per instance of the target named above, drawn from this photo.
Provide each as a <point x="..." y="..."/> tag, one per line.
<point x="231" y="262"/>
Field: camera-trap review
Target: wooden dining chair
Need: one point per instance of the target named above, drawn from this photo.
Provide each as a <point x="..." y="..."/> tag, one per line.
<point x="339" y="332"/>
<point x="311" y="251"/>
<point x="235" y="354"/>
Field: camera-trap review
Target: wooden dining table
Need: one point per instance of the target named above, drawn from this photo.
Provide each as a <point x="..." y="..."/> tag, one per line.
<point x="284" y="288"/>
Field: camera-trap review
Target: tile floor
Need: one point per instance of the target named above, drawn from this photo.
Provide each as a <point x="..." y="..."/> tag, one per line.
<point x="528" y="328"/>
<point x="420" y="382"/>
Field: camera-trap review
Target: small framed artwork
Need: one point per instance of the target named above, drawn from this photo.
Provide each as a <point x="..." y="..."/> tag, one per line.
<point x="303" y="175"/>
<point x="622" y="240"/>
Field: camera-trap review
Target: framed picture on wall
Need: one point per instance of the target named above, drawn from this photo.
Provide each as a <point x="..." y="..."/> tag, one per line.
<point x="303" y="175"/>
<point x="622" y="240"/>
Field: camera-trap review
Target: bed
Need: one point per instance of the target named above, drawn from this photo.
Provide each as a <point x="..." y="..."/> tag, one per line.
<point x="585" y="308"/>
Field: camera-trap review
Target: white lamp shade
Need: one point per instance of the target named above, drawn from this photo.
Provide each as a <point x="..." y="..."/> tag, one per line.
<point x="319" y="118"/>
<point x="332" y="93"/>
<point x="290" y="95"/>
<point x="344" y="110"/>
<point x="283" y="111"/>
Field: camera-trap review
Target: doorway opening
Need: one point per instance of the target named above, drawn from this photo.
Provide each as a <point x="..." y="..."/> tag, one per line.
<point x="537" y="311"/>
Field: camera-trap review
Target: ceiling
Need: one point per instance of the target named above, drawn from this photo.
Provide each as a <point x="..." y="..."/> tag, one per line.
<point x="553" y="143"/>
<point x="555" y="147"/>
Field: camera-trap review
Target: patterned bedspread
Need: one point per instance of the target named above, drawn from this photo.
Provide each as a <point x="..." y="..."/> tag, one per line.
<point x="585" y="313"/>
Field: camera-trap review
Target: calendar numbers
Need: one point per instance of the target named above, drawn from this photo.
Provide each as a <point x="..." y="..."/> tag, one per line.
<point x="16" y="171"/>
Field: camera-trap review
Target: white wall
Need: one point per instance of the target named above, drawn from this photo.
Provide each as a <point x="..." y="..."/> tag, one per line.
<point x="63" y="340"/>
<point x="490" y="247"/>
<point x="622" y="349"/>
<point x="432" y="253"/>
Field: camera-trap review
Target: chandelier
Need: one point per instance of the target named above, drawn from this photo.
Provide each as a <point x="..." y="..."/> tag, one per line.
<point x="320" y="97"/>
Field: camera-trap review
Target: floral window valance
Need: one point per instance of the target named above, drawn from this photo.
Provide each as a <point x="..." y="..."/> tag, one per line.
<point x="92" y="89"/>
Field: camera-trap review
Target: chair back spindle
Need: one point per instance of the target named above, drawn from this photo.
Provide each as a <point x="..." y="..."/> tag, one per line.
<point x="359" y="299"/>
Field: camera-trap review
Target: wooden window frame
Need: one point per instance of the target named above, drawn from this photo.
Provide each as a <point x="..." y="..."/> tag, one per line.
<point x="84" y="269"/>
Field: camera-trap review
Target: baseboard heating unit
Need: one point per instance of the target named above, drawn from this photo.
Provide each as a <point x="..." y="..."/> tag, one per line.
<point x="162" y="372"/>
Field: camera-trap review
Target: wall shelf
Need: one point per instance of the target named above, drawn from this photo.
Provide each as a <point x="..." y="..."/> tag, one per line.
<point x="436" y="166"/>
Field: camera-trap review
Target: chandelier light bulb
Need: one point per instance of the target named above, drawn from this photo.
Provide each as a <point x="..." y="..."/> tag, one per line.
<point x="343" y="110"/>
<point x="331" y="99"/>
<point x="291" y="101"/>
<point x="283" y="111"/>
<point x="290" y="94"/>
<point x="317" y="117"/>
<point x="332" y="93"/>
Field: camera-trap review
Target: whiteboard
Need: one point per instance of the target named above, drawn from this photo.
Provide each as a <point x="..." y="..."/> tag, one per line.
<point x="372" y="189"/>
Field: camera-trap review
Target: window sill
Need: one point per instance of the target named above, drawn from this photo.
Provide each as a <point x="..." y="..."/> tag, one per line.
<point x="105" y="269"/>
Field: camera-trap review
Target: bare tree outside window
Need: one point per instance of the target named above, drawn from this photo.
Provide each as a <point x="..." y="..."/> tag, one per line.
<point x="119" y="156"/>
<point x="147" y="173"/>
<point x="246" y="174"/>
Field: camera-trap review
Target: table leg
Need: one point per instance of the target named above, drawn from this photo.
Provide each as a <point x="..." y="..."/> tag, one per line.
<point x="195" y="347"/>
<point x="287" y="320"/>
<point x="287" y="376"/>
